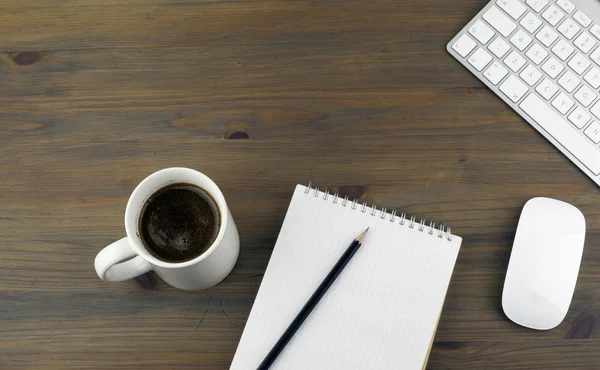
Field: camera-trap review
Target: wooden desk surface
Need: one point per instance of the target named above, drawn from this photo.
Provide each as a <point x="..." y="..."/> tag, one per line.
<point x="357" y="96"/>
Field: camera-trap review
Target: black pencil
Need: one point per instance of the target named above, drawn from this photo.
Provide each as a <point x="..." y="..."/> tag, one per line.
<point x="312" y="302"/>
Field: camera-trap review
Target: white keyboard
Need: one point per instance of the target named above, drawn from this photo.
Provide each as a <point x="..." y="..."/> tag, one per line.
<point x="542" y="57"/>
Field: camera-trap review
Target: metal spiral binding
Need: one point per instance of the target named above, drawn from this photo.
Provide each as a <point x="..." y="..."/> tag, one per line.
<point x="403" y="219"/>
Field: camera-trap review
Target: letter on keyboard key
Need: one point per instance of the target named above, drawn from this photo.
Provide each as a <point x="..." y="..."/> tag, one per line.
<point x="499" y="21"/>
<point x="515" y="61"/>
<point x="553" y="15"/>
<point x="480" y="59"/>
<point x="552" y="67"/>
<point x="514" y="8"/>
<point x="593" y="132"/>
<point x="537" y="5"/>
<point x="566" y="5"/>
<point x="563" y="103"/>
<point x="531" y="75"/>
<point x="563" y="49"/>
<point x="582" y="19"/>
<point x="481" y="32"/>
<point x="569" y="81"/>
<point x="547" y="89"/>
<point x="536" y="53"/>
<point x="499" y="47"/>
<point x="579" y="117"/>
<point x="585" y="96"/>
<point x="593" y="77"/>
<point x="579" y="63"/>
<point x="521" y="40"/>
<point x="547" y="36"/>
<point x="464" y="45"/>
<point x="560" y="130"/>
<point x="531" y="22"/>
<point x="495" y="73"/>
<point x="513" y="88"/>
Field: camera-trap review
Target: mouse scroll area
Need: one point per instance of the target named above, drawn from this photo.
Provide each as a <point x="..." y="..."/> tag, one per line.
<point x="544" y="263"/>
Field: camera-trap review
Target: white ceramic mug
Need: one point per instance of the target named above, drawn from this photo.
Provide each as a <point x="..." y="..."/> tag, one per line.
<point x="128" y="258"/>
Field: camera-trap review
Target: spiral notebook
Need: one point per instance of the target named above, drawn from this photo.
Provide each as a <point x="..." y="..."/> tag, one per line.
<point x="382" y="311"/>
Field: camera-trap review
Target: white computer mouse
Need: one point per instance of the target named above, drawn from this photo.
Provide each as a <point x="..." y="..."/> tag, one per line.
<point x="544" y="263"/>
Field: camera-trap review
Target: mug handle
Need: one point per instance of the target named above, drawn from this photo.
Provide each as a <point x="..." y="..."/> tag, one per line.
<point x="110" y="266"/>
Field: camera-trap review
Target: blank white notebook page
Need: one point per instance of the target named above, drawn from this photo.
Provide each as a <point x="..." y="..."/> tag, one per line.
<point x="381" y="312"/>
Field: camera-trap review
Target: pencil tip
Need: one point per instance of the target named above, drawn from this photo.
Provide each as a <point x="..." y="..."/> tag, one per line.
<point x="361" y="237"/>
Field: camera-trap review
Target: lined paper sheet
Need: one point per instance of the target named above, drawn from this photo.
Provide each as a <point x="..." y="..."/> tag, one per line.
<point x="381" y="312"/>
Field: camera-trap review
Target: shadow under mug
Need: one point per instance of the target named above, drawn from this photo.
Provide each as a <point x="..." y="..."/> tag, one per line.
<point x="127" y="258"/>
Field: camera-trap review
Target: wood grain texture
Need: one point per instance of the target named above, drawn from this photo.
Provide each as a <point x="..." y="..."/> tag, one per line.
<point x="357" y="96"/>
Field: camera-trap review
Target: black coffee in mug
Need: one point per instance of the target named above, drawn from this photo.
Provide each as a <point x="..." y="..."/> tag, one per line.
<point x="179" y="222"/>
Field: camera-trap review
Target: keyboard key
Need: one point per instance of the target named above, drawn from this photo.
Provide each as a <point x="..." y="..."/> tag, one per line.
<point x="553" y="15"/>
<point x="481" y="32"/>
<point x="569" y="28"/>
<point x="553" y="67"/>
<point x="566" y="5"/>
<point x="464" y="45"/>
<point x="499" y="47"/>
<point x="595" y="56"/>
<point x="556" y="127"/>
<point x="514" y="8"/>
<point x="531" y="22"/>
<point x="480" y="59"/>
<point x="495" y="73"/>
<point x="531" y="75"/>
<point x="593" y="132"/>
<point x="595" y="30"/>
<point x="521" y="40"/>
<point x="563" y="103"/>
<point x="579" y="63"/>
<point x="585" y="42"/>
<point x="579" y="117"/>
<point x="499" y="21"/>
<point x="537" y="5"/>
<point x="547" y="89"/>
<point x="585" y="96"/>
<point x="547" y="36"/>
<point x="514" y="61"/>
<point x="563" y="49"/>
<point x="536" y="53"/>
<point x="513" y="88"/>
<point x="593" y="77"/>
<point x="596" y="110"/>
<point x="582" y="19"/>
<point x="569" y="81"/>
